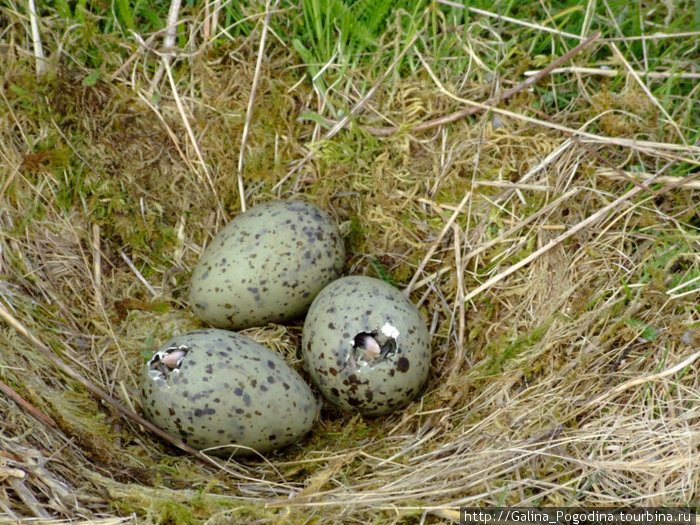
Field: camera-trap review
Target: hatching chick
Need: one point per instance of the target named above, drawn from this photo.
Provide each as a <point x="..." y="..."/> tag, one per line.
<point x="173" y="359"/>
<point x="368" y="345"/>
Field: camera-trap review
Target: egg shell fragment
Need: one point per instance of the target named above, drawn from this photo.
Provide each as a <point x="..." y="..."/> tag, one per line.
<point x="266" y="265"/>
<point x="226" y="389"/>
<point x="350" y="373"/>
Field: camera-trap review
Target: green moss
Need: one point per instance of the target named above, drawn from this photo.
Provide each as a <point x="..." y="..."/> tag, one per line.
<point x="173" y="513"/>
<point x="504" y="354"/>
<point x="382" y="272"/>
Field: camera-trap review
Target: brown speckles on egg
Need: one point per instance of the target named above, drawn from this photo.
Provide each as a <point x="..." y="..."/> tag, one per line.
<point x="217" y="397"/>
<point x="266" y="265"/>
<point x="364" y="382"/>
<point x="402" y="364"/>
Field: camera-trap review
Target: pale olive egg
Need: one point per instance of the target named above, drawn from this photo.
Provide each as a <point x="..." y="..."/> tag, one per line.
<point x="365" y="345"/>
<point x="266" y="265"/>
<point x="213" y="388"/>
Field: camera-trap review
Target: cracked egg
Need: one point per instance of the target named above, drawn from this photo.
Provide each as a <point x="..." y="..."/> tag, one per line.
<point x="213" y="388"/>
<point x="365" y="346"/>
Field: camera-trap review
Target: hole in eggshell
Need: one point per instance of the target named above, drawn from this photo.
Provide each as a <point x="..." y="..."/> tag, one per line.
<point x="169" y="359"/>
<point x="371" y="348"/>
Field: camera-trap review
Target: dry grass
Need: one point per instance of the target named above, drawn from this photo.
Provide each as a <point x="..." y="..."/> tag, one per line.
<point x="555" y="256"/>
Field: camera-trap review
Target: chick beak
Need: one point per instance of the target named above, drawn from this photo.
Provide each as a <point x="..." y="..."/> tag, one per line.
<point x="173" y="359"/>
<point x="370" y="347"/>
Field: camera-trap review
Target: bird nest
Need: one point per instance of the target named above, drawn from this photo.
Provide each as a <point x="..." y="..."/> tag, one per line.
<point x="553" y="255"/>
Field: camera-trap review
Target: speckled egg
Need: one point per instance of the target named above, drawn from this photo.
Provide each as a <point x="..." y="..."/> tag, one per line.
<point x="366" y="346"/>
<point x="266" y="265"/>
<point x="214" y="387"/>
